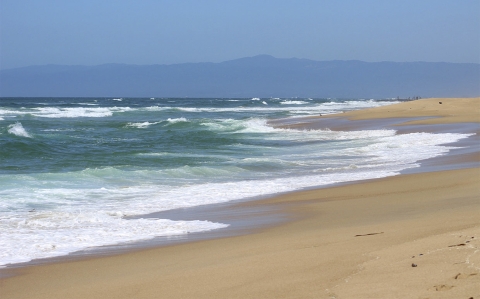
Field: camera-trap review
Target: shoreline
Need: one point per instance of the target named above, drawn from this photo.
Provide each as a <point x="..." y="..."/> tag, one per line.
<point x="296" y="204"/>
<point x="244" y="218"/>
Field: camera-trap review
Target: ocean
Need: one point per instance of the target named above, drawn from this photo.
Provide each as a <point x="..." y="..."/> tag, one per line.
<point x="76" y="173"/>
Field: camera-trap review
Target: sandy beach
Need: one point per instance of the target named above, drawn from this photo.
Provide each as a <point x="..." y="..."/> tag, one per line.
<point x="409" y="236"/>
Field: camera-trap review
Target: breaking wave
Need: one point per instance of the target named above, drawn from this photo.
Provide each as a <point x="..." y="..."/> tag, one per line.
<point x="18" y="130"/>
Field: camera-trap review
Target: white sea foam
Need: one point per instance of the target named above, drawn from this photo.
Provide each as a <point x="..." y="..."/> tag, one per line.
<point x="259" y="125"/>
<point x="157" y="108"/>
<point x="54" y="112"/>
<point x="147" y="124"/>
<point x="78" y="112"/>
<point x="89" y="205"/>
<point x="350" y="105"/>
<point x="323" y="108"/>
<point x="142" y="125"/>
<point x="59" y="233"/>
<point x="295" y="107"/>
<point x="225" y="125"/>
<point x="58" y="130"/>
<point x="288" y="102"/>
<point x="177" y="120"/>
<point x="77" y="210"/>
<point x="8" y="112"/>
<point x="18" y="130"/>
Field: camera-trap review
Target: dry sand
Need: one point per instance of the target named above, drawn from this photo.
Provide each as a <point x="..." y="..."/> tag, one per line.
<point x="449" y="110"/>
<point x="409" y="236"/>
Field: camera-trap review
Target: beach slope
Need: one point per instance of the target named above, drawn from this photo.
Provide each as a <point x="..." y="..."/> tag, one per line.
<point x="408" y="236"/>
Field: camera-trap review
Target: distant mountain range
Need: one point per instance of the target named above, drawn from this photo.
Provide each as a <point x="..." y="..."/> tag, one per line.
<point x="258" y="76"/>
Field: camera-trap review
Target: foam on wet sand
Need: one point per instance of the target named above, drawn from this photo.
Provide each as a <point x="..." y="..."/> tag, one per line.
<point x="408" y="236"/>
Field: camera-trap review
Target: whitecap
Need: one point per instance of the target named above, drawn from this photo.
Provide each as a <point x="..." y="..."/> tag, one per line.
<point x="88" y="104"/>
<point x="289" y="102"/>
<point x="53" y="112"/>
<point x="18" y="130"/>
<point x="321" y="108"/>
<point x="142" y="125"/>
<point x="157" y="108"/>
<point x="177" y="120"/>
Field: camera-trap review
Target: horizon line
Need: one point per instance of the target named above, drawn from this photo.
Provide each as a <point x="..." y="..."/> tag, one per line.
<point x="225" y="61"/>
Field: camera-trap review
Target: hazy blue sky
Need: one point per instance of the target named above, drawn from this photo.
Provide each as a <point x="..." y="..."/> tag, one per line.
<point x="89" y="32"/>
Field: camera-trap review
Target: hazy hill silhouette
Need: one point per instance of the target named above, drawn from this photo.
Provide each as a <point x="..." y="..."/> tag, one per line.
<point x="258" y="76"/>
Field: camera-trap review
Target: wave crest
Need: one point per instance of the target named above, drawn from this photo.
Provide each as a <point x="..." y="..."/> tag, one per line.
<point x="18" y="130"/>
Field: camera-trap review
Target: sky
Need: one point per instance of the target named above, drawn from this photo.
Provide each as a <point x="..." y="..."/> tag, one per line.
<point x="92" y="32"/>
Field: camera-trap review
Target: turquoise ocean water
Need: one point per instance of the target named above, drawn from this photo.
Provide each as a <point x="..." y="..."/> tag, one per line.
<point x="73" y="169"/>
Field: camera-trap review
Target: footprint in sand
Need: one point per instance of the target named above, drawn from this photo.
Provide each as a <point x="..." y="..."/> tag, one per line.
<point x="464" y="276"/>
<point x="442" y="287"/>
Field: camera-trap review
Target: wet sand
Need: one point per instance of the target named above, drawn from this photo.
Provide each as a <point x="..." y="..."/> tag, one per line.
<point x="409" y="236"/>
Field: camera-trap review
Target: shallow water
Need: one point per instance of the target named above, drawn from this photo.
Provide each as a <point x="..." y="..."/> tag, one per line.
<point x="74" y="173"/>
